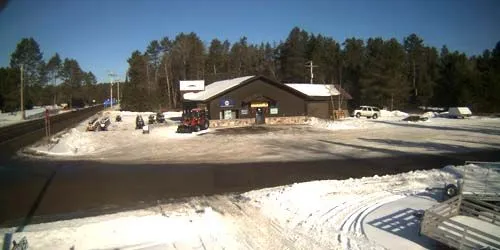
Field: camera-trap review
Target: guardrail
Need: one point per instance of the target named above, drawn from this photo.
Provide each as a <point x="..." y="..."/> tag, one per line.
<point x="16" y="136"/>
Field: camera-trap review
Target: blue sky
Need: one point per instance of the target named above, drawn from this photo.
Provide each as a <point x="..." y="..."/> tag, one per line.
<point x="101" y="34"/>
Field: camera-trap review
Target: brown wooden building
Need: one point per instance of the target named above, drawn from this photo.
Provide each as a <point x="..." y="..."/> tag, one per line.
<point x="259" y="97"/>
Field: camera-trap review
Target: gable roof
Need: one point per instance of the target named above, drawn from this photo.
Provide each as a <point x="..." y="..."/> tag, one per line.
<point x="314" y="89"/>
<point x="216" y="88"/>
<point x="304" y="90"/>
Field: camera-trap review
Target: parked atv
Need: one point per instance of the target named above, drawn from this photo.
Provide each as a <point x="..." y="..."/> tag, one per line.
<point x="160" y="118"/>
<point x="193" y="121"/>
<point x="139" y="122"/>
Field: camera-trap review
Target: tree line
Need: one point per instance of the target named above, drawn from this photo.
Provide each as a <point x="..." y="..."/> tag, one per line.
<point x="382" y="72"/>
<point x="49" y="82"/>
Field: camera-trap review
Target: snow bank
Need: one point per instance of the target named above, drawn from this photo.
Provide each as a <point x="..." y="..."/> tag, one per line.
<point x="332" y="125"/>
<point x="345" y="124"/>
<point x="133" y="230"/>
<point x="74" y="142"/>
<point x="335" y="212"/>
<point x="395" y="113"/>
<point x="172" y="114"/>
<point x="430" y="114"/>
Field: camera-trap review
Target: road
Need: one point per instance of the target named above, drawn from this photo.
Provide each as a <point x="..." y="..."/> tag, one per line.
<point x="33" y="191"/>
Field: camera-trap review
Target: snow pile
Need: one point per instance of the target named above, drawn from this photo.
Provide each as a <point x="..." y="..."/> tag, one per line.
<point x="172" y="114"/>
<point x="333" y="125"/>
<point x="74" y="142"/>
<point x="395" y="113"/>
<point x="430" y="114"/>
<point x="133" y="230"/>
<point x="334" y="211"/>
<point x="344" y="124"/>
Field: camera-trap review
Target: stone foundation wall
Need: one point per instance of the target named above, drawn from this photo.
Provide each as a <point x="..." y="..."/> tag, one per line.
<point x="251" y="121"/>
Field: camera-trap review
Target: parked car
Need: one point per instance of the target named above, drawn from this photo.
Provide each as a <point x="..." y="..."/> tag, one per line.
<point x="367" y="111"/>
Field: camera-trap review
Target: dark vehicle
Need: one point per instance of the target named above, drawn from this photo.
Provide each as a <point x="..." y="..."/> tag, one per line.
<point x="104" y="123"/>
<point x="139" y="122"/>
<point x="415" y="118"/>
<point x="118" y="118"/>
<point x="93" y="124"/>
<point x="193" y="121"/>
<point x="160" y="118"/>
<point x="151" y="119"/>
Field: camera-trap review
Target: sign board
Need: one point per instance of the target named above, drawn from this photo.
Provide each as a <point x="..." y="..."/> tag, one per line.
<point x="244" y="111"/>
<point x="273" y="111"/>
<point x="198" y="85"/>
<point x="259" y="104"/>
<point x="226" y="103"/>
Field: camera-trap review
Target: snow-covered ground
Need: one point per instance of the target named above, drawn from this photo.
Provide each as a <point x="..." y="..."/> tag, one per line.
<point x="367" y="213"/>
<point x="321" y="139"/>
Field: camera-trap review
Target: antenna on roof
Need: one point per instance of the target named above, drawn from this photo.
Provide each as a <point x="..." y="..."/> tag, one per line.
<point x="311" y="66"/>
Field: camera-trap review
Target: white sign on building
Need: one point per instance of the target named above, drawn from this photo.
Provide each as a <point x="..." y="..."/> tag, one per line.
<point x="197" y="85"/>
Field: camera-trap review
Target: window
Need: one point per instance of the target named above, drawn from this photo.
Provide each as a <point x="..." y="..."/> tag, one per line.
<point x="364" y="109"/>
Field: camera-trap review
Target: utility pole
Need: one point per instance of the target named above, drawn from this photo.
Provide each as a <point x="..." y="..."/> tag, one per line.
<point x="311" y="66"/>
<point x="22" y="93"/>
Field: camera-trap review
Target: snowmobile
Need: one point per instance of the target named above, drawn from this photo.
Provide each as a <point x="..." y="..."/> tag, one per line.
<point x="93" y="124"/>
<point x="139" y="122"/>
<point x="151" y="119"/>
<point x="104" y="123"/>
<point x="160" y="118"/>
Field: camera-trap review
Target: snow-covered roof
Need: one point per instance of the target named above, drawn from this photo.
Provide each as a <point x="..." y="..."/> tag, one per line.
<point x="314" y="89"/>
<point x="215" y="88"/>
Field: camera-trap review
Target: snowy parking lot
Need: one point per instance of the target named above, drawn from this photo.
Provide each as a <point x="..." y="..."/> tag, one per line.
<point x="320" y="139"/>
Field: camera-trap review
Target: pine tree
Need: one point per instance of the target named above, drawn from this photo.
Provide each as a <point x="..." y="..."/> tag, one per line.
<point x="293" y="56"/>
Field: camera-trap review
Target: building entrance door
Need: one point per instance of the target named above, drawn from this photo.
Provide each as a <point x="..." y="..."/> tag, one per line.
<point x="260" y="116"/>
